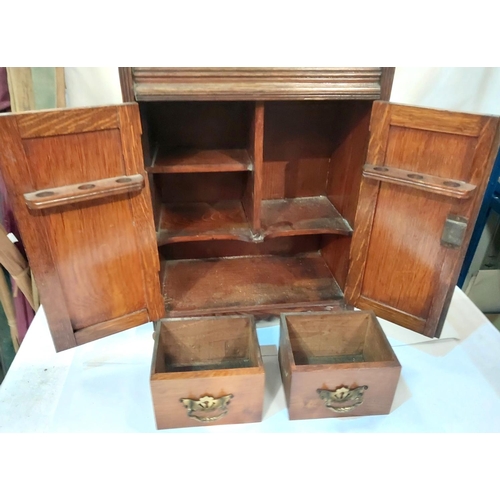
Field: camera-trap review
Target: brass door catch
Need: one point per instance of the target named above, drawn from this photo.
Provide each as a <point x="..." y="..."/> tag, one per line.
<point x="454" y="231"/>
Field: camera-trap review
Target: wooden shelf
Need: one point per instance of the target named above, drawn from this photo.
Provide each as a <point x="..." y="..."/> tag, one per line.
<point x="200" y="160"/>
<point x="264" y="284"/>
<point x="297" y="216"/>
<point x="224" y="220"/>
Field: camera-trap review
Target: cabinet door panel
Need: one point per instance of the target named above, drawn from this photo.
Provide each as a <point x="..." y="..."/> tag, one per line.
<point x="95" y="260"/>
<point x="399" y="265"/>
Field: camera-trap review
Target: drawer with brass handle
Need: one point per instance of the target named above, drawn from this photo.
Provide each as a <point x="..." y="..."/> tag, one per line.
<point x="207" y="371"/>
<point x="336" y="365"/>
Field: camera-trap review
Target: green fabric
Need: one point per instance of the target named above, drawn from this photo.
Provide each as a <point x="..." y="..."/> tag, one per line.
<point x="44" y="87"/>
<point x="7" y="352"/>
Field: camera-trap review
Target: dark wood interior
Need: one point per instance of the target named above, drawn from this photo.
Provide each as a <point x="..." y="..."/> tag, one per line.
<point x="250" y="283"/>
<point x="202" y="125"/>
<point x="254" y="201"/>
<point x="349" y="337"/>
<point x="203" y="344"/>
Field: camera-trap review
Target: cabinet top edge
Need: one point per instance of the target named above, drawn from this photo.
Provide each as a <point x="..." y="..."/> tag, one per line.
<point x="162" y="83"/>
<point x="262" y="69"/>
<point x="143" y="73"/>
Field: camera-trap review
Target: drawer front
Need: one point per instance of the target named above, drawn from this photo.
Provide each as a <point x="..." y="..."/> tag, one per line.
<point x="337" y="392"/>
<point x="204" y="398"/>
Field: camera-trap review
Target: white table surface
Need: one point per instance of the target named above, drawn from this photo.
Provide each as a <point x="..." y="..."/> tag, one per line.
<point x="451" y="384"/>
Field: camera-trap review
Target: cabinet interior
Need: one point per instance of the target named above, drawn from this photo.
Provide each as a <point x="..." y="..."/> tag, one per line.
<point x="254" y="202"/>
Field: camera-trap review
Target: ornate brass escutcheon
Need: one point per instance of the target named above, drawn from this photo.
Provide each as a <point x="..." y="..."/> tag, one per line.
<point x="336" y="400"/>
<point x="207" y="408"/>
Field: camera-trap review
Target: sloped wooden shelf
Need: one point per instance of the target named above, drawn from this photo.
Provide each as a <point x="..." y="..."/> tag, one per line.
<point x="300" y="216"/>
<point x="247" y="284"/>
<point x="200" y="160"/>
<point x="224" y="220"/>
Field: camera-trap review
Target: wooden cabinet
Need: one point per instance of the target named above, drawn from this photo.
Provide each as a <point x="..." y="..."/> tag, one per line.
<point x="84" y="219"/>
<point x="253" y="191"/>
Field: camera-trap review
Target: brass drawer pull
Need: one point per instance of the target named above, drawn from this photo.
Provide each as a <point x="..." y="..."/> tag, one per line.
<point x="335" y="400"/>
<point x="203" y="409"/>
<point x="84" y="191"/>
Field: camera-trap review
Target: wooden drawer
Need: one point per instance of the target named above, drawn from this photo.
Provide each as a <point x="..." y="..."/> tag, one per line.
<point x="207" y="371"/>
<point x="336" y="365"/>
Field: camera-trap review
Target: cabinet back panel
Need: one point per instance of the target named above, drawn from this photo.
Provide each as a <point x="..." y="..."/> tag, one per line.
<point x="299" y="140"/>
<point x="294" y="179"/>
<point x="203" y="125"/>
<point x="210" y="249"/>
<point x="203" y="187"/>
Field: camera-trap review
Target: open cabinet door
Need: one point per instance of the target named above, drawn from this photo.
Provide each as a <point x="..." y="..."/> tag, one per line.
<point x="421" y="190"/>
<point x="77" y="184"/>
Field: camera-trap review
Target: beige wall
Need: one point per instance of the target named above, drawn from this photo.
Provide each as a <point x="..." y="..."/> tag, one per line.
<point x="473" y="90"/>
<point x="92" y="86"/>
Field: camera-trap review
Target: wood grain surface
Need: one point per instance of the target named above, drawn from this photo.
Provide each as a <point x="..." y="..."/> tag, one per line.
<point x="252" y="198"/>
<point x="90" y="269"/>
<point x="66" y="121"/>
<point x="247" y="284"/>
<point x="295" y="216"/>
<point x="201" y="160"/>
<point x="398" y="265"/>
<point x="299" y="138"/>
<point x="430" y="183"/>
<point x="156" y="84"/>
<point x="283" y="246"/>
<point x="127" y="84"/>
<point x="202" y="187"/>
<point x="204" y="125"/>
<point x="77" y="193"/>
<point x="183" y="351"/>
<point x="224" y="220"/>
<point x="332" y="350"/>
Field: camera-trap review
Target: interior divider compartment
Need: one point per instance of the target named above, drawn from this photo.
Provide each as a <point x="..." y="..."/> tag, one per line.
<point x="255" y="201"/>
<point x="204" y="277"/>
<point x="202" y="206"/>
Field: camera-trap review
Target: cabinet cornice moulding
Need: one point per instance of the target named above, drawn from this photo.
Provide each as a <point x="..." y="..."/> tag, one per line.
<point x="153" y="84"/>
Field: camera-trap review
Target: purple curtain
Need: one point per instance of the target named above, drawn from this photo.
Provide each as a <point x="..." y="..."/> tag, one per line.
<point x="4" y="91"/>
<point x="24" y="313"/>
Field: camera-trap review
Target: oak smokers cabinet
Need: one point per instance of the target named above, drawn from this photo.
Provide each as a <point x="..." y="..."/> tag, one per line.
<point x="259" y="191"/>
